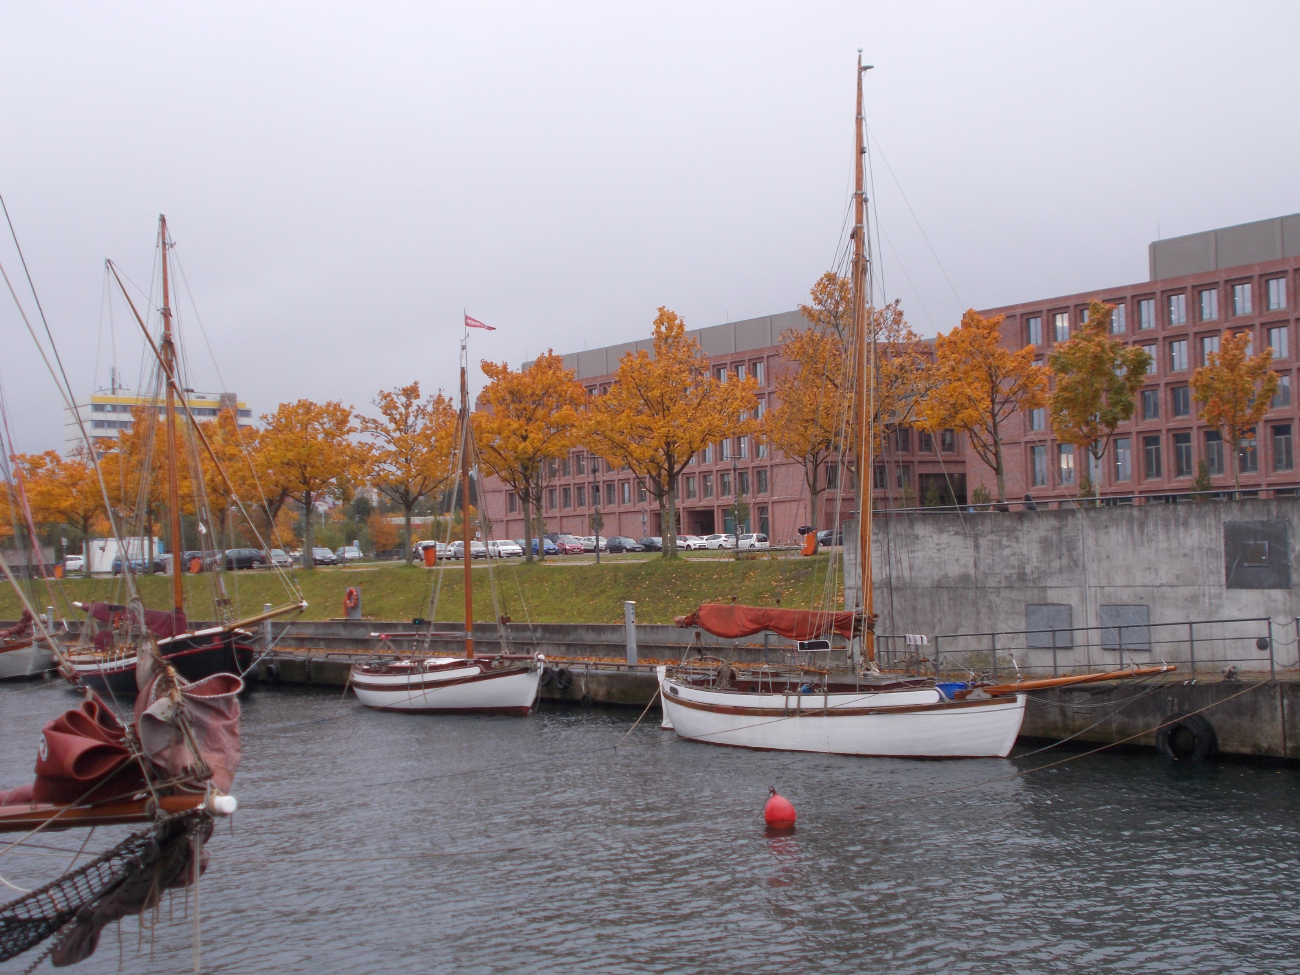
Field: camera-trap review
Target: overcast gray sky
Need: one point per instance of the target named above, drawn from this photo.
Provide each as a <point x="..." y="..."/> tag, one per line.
<point x="341" y="180"/>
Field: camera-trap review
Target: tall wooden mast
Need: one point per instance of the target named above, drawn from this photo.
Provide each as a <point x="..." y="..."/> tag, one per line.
<point x="173" y="482"/>
<point x="864" y="388"/>
<point x="464" y="504"/>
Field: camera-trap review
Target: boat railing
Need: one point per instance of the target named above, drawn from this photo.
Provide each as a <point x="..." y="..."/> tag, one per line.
<point x="1245" y="646"/>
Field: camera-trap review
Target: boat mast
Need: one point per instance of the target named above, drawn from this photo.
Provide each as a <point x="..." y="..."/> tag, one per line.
<point x="464" y="503"/>
<point x="173" y="483"/>
<point x="865" y="387"/>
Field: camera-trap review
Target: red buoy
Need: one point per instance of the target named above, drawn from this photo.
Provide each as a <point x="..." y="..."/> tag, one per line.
<point x="778" y="813"/>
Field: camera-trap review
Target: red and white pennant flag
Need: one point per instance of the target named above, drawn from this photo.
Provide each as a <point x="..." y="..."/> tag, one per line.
<point x="475" y="323"/>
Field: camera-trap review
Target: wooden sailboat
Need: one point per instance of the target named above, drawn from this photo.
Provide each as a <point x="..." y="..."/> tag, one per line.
<point x="493" y="684"/>
<point x="107" y="662"/>
<point x="865" y="713"/>
<point x="20" y="654"/>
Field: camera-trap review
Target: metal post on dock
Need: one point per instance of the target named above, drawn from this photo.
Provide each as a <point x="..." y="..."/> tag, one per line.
<point x="1191" y="646"/>
<point x="1272" y="661"/>
<point x="629" y="625"/>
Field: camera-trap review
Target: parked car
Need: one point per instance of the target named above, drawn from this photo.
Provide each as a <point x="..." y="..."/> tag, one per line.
<point x="568" y="545"/>
<point x="209" y="559"/>
<point x="689" y="543"/>
<point x="589" y="543"/>
<point x="138" y="566"/>
<point x="504" y="549"/>
<point x="280" y="559"/>
<point x="548" y="546"/>
<point x="830" y="536"/>
<point x="651" y="543"/>
<point x="720" y="541"/>
<point x="246" y="558"/>
<point x="348" y="553"/>
<point x="621" y="543"/>
<point x="456" y="550"/>
<point x="752" y="540"/>
<point x="74" y="563"/>
<point x="323" y="556"/>
<point x="440" y="549"/>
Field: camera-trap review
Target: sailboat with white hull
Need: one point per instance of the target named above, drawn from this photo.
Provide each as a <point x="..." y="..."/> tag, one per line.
<point x="493" y="684"/>
<point x="867" y="714"/>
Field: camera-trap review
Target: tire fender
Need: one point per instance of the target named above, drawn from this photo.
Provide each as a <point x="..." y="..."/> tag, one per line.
<point x="563" y="679"/>
<point x="1187" y="738"/>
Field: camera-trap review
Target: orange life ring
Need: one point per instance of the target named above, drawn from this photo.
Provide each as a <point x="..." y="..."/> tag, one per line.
<point x="351" y="598"/>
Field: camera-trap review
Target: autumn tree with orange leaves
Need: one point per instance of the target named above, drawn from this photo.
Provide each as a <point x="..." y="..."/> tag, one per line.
<point x="979" y="384"/>
<point x="1096" y="382"/>
<point x="1235" y="390"/>
<point x="307" y="450"/>
<point x="528" y="419"/>
<point x="660" y="411"/>
<point x="413" y="449"/>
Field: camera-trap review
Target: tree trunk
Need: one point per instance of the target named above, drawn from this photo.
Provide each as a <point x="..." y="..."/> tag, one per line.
<point x="1236" y="466"/>
<point x="526" y="503"/>
<point x="812" y="504"/>
<point x="1002" y="474"/>
<point x="307" y="561"/>
<point x="406" y="512"/>
<point x="668" y="519"/>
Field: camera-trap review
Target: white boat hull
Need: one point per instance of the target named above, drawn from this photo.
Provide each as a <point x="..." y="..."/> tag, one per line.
<point x="28" y="661"/>
<point x="451" y="689"/>
<point x="907" y="723"/>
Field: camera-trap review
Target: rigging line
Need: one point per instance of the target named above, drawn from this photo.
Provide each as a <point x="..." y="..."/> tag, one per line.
<point x="1042" y="768"/>
<point x="871" y="136"/>
<point x="903" y="267"/>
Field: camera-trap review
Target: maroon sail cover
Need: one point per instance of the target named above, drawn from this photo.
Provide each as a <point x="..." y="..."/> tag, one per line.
<point x="161" y="623"/>
<point x="796" y="624"/>
<point x="21" y="628"/>
<point x="213" y="706"/>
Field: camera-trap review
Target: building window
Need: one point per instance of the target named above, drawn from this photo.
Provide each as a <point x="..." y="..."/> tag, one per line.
<point x="1182" y="455"/>
<point x="879" y="477"/>
<point x="640" y="492"/>
<point x="98" y="408"/>
<point x="707" y="453"/>
<point x="706" y="486"/>
<point x="1214" y="451"/>
<point x="760" y="408"/>
<point x="1038" y="420"/>
<point x="1118" y="322"/>
<point x="1038" y="458"/>
<point x="1147" y="313"/>
<point x="1061" y="326"/>
<point x="609" y="494"/>
<point x="764" y="526"/>
<point x="1123" y="459"/>
<point x="690" y="487"/>
<point x="1180" y="401"/>
<point x="724" y="450"/>
<point x="724" y="484"/>
<point x="1034" y="328"/>
<point x="740" y="371"/>
<point x="1065" y="463"/>
<point x="566" y="497"/>
<point x="832" y="476"/>
<point x="1276" y="294"/>
<point x="1283" y="395"/>
<point x="760" y="481"/>
<point x="1283" y="459"/>
<point x="1209" y="304"/>
<point x="1083" y="316"/>
<point x="564" y="466"/>
<point x="1150" y="350"/>
<point x="582" y="496"/>
<point x="903" y="477"/>
<point x="512" y="502"/>
<point x="742" y="447"/>
<point x="1241" y="303"/>
<point x="1209" y="347"/>
<point x="1248" y="453"/>
<point x="1277" y="341"/>
<point x="1150" y="404"/>
<point x="1178" y="309"/>
<point x="924" y="442"/>
<point x="947" y="441"/>
<point x="1178" y="356"/>
<point x="625" y="492"/>
<point x="742" y="483"/>
<point x="550" y="499"/>
<point x="760" y="449"/>
<point x="595" y="465"/>
<point x="580" y="463"/>
<point x="760" y="373"/>
<point x="721" y="373"/>
<point x="1151" y="457"/>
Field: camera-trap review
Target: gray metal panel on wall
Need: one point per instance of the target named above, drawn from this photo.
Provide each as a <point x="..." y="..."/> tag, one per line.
<point x="592" y="363"/>
<point x="1257" y="554"/>
<point x="1125" y="627"/>
<point x="753" y="333"/>
<point x="1291" y="235"/>
<point x="570" y="362"/>
<point x="1249" y="243"/>
<point x="1182" y="255"/>
<point x="1048" y="625"/>
<point x="613" y="353"/>
<point x="717" y="339"/>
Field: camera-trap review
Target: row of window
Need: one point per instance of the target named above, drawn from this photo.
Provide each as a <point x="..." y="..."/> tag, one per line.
<point x="1121" y="459"/>
<point x="1176" y="350"/>
<point x="1176" y="310"/>
<point x="899" y="441"/>
<point x="621" y="492"/>
<point x="196" y="410"/>
<point x="741" y="370"/>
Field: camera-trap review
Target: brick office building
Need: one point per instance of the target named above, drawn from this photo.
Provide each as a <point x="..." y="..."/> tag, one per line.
<point x="772" y="485"/>
<point x="1242" y="278"/>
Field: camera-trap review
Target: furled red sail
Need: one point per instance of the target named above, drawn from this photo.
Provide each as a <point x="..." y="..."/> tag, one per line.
<point x="161" y="623"/>
<point x="21" y="628"/>
<point x="796" y="624"/>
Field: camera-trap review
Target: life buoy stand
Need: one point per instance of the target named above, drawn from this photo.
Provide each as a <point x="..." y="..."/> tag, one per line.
<point x="1187" y="738"/>
<point x="351" y="599"/>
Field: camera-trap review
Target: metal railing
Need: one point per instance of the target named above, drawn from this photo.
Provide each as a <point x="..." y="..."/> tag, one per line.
<point x="1053" y="501"/>
<point x="1248" y="644"/>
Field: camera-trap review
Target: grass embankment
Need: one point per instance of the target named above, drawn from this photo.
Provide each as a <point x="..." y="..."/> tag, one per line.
<point x="555" y="592"/>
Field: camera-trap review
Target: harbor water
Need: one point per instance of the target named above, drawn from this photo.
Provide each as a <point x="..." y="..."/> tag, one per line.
<point x="369" y="842"/>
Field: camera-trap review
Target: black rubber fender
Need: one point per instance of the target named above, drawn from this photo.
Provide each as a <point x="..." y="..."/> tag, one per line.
<point x="1187" y="738"/>
<point x="548" y="676"/>
<point x="563" y="679"/>
<point x="273" y="673"/>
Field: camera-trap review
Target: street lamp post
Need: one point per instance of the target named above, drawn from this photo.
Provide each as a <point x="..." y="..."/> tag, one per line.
<point x="595" y="518"/>
<point x="735" y="503"/>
